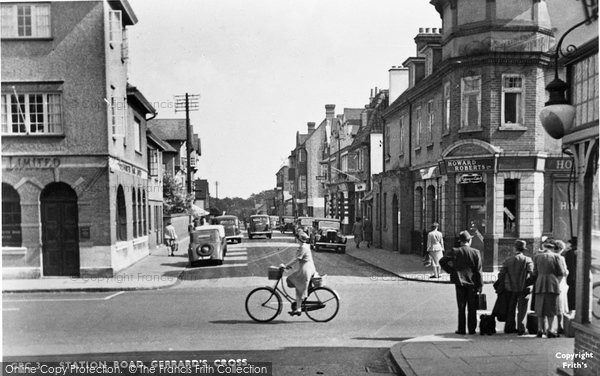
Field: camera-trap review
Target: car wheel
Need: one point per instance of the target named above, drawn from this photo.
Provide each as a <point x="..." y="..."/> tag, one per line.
<point x="239" y="240"/>
<point x="219" y="262"/>
<point x="316" y="248"/>
<point x="343" y="250"/>
<point x="249" y="236"/>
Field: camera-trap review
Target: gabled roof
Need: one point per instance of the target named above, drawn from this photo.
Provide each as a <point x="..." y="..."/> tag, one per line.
<point x="135" y="97"/>
<point x="164" y="146"/>
<point x="169" y="129"/>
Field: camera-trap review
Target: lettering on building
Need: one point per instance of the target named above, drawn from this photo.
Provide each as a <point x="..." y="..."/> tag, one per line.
<point x="22" y="163"/>
<point x="470" y="165"/>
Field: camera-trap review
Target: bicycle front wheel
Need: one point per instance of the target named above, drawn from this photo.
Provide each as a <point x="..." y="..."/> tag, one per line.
<point x="263" y="304"/>
<point x="322" y="304"/>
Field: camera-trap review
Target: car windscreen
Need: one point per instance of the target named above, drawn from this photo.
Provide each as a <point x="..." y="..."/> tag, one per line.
<point x="227" y="222"/>
<point x="306" y="222"/>
<point x="329" y="224"/>
<point x="259" y="220"/>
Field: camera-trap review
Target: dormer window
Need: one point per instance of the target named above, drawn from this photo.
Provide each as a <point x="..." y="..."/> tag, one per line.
<point x="25" y="20"/>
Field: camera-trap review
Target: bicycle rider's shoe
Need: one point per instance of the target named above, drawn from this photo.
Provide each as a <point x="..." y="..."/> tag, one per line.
<point x="295" y="313"/>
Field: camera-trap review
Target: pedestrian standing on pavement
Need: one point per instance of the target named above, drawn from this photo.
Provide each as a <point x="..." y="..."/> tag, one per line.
<point x="435" y="248"/>
<point x="570" y="255"/>
<point x="517" y="271"/>
<point x="357" y="231"/>
<point x="170" y="238"/>
<point x="368" y="231"/>
<point x="300" y="279"/>
<point x="547" y="268"/>
<point x="464" y="265"/>
<point x="563" y="304"/>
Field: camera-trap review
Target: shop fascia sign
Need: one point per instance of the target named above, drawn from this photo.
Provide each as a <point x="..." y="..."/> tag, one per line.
<point x="360" y="187"/>
<point x="117" y="165"/>
<point x="23" y="163"/>
<point x="468" y="165"/>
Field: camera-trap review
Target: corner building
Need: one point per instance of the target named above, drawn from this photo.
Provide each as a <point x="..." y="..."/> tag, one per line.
<point x="74" y="145"/>
<point x="468" y="149"/>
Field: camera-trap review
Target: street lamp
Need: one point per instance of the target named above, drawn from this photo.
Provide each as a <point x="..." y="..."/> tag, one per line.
<point x="558" y="114"/>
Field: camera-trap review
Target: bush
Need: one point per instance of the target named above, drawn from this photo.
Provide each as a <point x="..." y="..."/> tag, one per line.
<point x="175" y="198"/>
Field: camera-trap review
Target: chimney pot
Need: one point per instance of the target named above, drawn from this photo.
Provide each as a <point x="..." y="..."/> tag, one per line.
<point x="420" y="30"/>
<point x="427" y="30"/>
<point x="441" y="30"/>
<point x="434" y="30"/>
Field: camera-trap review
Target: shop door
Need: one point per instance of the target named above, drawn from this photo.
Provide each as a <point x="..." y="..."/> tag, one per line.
<point x="60" y="242"/>
<point x="475" y="212"/>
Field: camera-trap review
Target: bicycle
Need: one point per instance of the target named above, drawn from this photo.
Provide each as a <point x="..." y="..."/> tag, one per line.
<point x="263" y="304"/>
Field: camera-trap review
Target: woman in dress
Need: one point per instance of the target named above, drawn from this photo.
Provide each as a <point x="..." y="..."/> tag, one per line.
<point x="300" y="279"/>
<point x="547" y="269"/>
<point x="563" y="303"/>
<point x="357" y="231"/>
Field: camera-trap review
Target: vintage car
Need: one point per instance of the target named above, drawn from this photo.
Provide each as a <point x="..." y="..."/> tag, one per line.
<point x="259" y="225"/>
<point x="274" y="222"/>
<point x="232" y="227"/>
<point x="207" y="245"/>
<point x="327" y="235"/>
<point x="305" y="224"/>
<point x="287" y="223"/>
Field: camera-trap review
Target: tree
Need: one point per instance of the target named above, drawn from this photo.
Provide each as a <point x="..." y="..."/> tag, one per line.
<point x="175" y="198"/>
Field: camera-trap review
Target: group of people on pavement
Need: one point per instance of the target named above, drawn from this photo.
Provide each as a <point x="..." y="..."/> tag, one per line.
<point x="548" y="278"/>
<point x="363" y="231"/>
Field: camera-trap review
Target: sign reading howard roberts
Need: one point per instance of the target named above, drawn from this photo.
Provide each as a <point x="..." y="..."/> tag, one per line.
<point x="469" y="165"/>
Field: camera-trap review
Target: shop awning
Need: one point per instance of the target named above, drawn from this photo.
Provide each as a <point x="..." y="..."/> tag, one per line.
<point x="368" y="196"/>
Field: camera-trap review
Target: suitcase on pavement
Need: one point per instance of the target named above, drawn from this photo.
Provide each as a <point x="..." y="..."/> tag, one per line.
<point x="532" y="324"/>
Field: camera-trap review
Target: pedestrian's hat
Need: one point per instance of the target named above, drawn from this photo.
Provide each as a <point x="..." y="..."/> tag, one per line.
<point x="520" y="245"/>
<point x="464" y="236"/>
<point x="549" y="243"/>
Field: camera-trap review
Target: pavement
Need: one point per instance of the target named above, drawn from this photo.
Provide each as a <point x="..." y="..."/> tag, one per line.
<point x="445" y="354"/>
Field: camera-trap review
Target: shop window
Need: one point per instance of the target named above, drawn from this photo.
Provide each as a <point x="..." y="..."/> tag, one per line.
<point x="512" y="99"/>
<point x="121" y="215"/>
<point x="470" y="102"/>
<point x="134" y="209"/>
<point x="11" y="217"/>
<point x="430" y="206"/>
<point x="511" y="208"/>
<point x="31" y="114"/>
<point x="25" y="20"/>
<point x="418" y="208"/>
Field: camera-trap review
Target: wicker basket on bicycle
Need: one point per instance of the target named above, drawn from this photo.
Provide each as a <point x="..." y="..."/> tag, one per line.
<point x="275" y="272"/>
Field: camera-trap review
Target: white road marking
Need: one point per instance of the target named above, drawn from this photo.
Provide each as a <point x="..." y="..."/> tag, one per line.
<point x="237" y="258"/>
<point x="64" y="300"/>
<point x="225" y="265"/>
<point x="10" y="309"/>
<point x="272" y="254"/>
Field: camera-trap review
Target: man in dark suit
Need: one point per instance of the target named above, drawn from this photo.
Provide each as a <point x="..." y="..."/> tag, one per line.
<point x="464" y="265"/>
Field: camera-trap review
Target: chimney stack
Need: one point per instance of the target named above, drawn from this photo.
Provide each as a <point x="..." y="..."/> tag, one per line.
<point x="311" y="127"/>
<point x="398" y="82"/>
<point x="329" y="111"/>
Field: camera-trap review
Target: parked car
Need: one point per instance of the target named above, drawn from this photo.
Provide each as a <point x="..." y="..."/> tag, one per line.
<point x="274" y="222"/>
<point x="259" y="225"/>
<point x="231" y="223"/>
<point x="327" y="235"/>
<point x="207" y="245"/>
<point x="287" y="223"/>
<point x="304" y="224"/>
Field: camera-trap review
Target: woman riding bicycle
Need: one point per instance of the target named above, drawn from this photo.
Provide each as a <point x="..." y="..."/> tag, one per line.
<point x="300" y="279"/>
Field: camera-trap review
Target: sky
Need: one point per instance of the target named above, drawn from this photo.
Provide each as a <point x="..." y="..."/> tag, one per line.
<point x="263" y="69"/>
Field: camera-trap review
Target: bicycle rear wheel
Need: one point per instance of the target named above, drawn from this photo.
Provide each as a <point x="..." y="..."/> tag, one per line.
<point x="263" y="304"/>
<point x="322" y="304"/>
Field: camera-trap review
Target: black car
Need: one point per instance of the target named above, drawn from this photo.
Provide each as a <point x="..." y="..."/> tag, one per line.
<point x="326" y="235"/>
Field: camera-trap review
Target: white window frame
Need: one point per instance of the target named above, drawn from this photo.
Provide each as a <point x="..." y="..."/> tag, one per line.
<point x="7" y="115"/>
<point x="520" y="102"/>
<point x="40" y="19"/>
<point x="115" y="26"/>
<point x="400" y="130"/>
<point x="419" y="121"/>
<point x="464" y="105"/>
<point x="137" y="135"/>
<point x="447" y="102"/>
<point x="430" y="120"/>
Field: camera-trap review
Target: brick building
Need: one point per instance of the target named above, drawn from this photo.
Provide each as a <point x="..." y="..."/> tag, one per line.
<point x="74" y="163"/>
<point x="468" y="149"/>
<point x="283" y="199"/>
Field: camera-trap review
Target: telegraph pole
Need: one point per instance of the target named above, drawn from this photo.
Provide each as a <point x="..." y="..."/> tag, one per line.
<point x="188" y="103"/>
<point x="216" y="189"/>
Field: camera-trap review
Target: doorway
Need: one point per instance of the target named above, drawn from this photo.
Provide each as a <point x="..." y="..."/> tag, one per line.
<point x="60" y="232"/>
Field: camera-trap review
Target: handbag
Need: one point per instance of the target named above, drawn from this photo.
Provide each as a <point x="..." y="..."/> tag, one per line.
<point x="481" y="301"/>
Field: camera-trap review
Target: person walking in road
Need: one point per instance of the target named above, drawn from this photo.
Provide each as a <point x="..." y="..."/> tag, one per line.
<point x="357" y="231"/>
<point x="517" y="271"/>
<point x="170" y="238"/>
<point x="464" y="265"/>
<point x="368" y="231"/>
<point x="547" y="269"/>
<point x="435" y="248"/>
